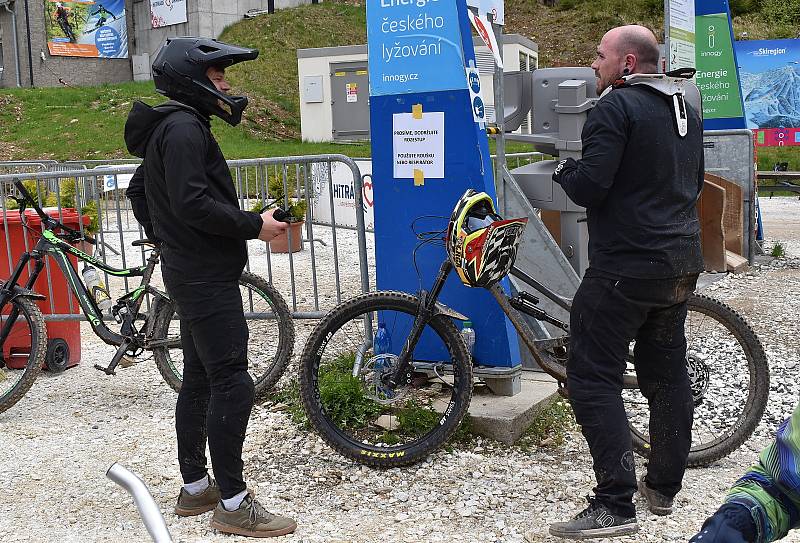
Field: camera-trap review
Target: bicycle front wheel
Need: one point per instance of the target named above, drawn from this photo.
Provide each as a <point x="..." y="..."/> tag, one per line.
<point x="729" y="376"/>
<point x="23" y="350"/>
<point x="270" y="343"/>
<point x="344" y="390"/>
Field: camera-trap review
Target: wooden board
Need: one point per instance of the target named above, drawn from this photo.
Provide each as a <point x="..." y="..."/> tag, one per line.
<point x="710" y="209"/>
<point x="552" y="220"/>
<point x="735" y="263"/>
<point x="733" y="215"/>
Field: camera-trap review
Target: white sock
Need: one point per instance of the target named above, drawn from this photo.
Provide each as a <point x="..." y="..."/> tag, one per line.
<point x="232" y="504"/>
<point x="197" y="487"/>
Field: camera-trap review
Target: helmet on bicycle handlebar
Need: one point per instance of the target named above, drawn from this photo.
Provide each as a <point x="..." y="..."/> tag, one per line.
<point x="179" y="72"/>
<point x="481" y="245"/>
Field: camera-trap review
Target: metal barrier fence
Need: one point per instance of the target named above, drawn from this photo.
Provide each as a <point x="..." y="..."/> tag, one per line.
<point x="336" y="256"/>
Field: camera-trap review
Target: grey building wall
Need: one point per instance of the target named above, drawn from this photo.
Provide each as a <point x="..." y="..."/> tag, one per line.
<point x="46" y="73"/>
<point x="206" y="18"/>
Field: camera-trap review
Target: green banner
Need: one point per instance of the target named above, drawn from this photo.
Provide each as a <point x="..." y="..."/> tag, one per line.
<point x="716" y="68"/>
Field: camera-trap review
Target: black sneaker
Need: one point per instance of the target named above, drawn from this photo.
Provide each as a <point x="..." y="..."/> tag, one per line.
<point x="657" y="503"/>
<point x="595" y="521"/>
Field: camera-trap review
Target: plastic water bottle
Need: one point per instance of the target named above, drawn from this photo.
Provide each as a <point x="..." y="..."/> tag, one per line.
<point x="468" y="335"/>
<point x="96" y="287"/>
<point x="382" y="342"/>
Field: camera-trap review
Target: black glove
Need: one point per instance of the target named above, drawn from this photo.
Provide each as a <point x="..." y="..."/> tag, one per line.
<point x="732" y="523"/>
<point x="566" y="165"/>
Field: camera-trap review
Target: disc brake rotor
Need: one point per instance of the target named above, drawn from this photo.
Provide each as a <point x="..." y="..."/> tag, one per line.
<point x="374" y="374"/>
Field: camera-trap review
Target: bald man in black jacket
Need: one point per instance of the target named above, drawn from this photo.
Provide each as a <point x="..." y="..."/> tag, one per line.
<point x="639" y="179"/>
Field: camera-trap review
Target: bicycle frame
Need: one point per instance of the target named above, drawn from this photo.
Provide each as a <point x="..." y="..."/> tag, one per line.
<point x="523" y="302"/>
<point x="57" y="249"/>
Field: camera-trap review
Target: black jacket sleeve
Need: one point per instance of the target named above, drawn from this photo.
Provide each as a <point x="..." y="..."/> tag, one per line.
<point x="187" y="186"/>
<point x="136" y="194"/>
<point x="604" y="137"/>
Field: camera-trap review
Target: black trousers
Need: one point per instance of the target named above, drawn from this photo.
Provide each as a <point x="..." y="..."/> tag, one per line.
<point x="609" y="312"/>
<point x="217" y="393"/>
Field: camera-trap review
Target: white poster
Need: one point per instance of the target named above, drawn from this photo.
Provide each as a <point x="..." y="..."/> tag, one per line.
<point x="114" y="182"/>
<point x="418" y="144"/>
<point x="340" y="186"/>
<point x="167" y="12"/>
<point x="680" y="31"/>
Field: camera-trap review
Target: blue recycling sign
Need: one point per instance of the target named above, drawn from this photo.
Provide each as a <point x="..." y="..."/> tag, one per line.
<point x="414" y="47"/>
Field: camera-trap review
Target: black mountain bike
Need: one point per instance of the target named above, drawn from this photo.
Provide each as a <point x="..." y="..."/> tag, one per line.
<point x="23" y="333"/>
<point x="388" y="407"/>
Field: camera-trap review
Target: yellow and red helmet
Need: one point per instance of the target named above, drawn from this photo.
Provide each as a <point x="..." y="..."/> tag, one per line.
<point x="481" y="245"/>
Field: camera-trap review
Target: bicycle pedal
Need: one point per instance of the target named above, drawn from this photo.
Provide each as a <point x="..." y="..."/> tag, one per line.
<point x="127" y="361"/>
<point x="104" y="370"/>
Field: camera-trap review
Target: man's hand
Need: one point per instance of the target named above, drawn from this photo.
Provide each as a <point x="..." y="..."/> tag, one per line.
<point x="271" y="228"/>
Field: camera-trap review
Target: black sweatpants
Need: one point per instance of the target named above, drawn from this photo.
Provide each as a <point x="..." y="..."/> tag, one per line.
<point x="217" y="393"/>
<point x="609" y="312"/>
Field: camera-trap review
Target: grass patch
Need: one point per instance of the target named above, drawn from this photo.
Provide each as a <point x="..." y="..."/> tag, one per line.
<point x="288" y="397"/>
<point x="343" y="397"/>
<point x="769" y="156"/>
<point x="549" y="428"/>
<point x="778" y="250"/>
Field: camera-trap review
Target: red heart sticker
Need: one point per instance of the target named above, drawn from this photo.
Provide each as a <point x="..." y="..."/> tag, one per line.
<point x="366" y="192"/>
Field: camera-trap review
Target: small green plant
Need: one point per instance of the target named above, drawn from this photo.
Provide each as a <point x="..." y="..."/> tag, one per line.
<point x="297" y="204"/>
<point x="67" y="197"/>
<point x="342" y="395"/>
<point x="778" y="251"/>
<point x="549" y="427"/>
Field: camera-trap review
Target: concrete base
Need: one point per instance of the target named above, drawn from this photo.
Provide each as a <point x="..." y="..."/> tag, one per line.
<point x="505" y="418"/>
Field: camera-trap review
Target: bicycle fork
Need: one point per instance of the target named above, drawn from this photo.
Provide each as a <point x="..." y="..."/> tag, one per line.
<point x="427" y="307"/>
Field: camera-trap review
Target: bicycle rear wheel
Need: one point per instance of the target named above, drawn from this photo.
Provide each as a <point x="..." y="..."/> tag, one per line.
<point x="23" y="350"/>
<point x="729" y="374"/>
<point x="343" y="382"/>
<point x="270" y="343"/>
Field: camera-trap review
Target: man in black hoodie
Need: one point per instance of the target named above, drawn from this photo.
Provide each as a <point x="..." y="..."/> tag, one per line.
<point x="639" y="177"/>
<point x="184" y="196"/>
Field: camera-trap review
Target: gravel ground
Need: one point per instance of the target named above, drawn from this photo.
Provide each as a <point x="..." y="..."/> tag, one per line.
<point x="58" y="441"/>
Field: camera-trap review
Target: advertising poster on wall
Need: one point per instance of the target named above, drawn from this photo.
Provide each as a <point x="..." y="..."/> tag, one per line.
<point x="86" y="28"/>
<point x="167" y="12"/>
<point x="717" y="75"/>
<point x="770" y="74"/>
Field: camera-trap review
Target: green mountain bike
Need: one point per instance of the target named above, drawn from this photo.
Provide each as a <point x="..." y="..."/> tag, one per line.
<point x="23" y="332"/>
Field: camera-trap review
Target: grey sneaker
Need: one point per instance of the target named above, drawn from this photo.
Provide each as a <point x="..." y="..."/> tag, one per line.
<point x="595" y="521"/>
<point x="190" y="505"/>
<point x="657" y="503"/>
<point x="252" y="520"/>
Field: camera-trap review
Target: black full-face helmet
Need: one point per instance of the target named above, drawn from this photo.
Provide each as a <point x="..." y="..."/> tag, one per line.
<point x="179" y="72"/>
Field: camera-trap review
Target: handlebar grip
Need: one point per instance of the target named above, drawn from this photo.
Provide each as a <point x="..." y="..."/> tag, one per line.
<point x="281" y="216"/>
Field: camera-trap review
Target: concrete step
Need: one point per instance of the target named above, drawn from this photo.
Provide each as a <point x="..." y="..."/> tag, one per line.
<point x="505" y="418"/>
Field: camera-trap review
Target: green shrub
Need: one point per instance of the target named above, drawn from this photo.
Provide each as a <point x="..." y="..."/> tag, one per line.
<point x="777" y="250"/>
<point x="743" y="7"/>
<point x="783" y="12"/>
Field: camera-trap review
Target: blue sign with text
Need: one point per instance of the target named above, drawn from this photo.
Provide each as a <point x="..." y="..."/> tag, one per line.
<point x="414" y="46"/>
